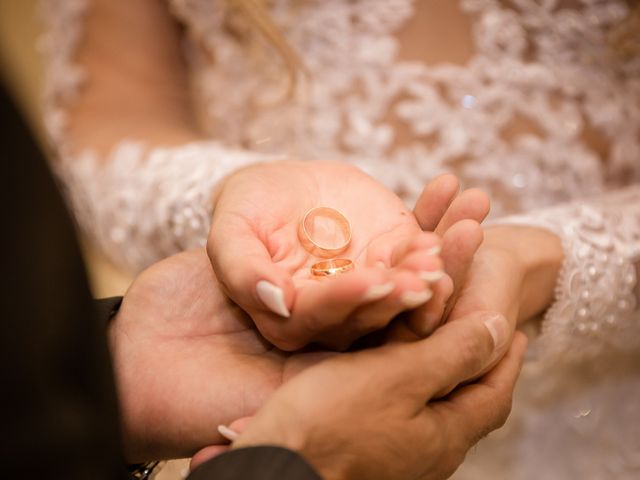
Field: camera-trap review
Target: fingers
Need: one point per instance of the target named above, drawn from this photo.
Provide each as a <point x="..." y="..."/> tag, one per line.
<point x="418" y="254"/>
<point x="435" y="200"/>
<point x="472" y="204"/>
<point x="459" y="246"/>
<point x="340" y="310"/>
<point x="245" y="269"/>
<point x="475" y="410"/>
<point x="456" y="352"/>
<point x="426" y="319"/>
<point x="410" y="292"/>
<point x="326" y="306"/>
<point x="206" y="454"/>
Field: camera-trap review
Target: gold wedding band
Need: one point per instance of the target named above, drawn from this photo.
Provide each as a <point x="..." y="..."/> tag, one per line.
<point x="331" y="268"/>
<point x="323" y="248"/>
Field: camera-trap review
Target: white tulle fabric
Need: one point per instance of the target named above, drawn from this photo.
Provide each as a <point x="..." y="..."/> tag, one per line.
<point x="540" y="61"/>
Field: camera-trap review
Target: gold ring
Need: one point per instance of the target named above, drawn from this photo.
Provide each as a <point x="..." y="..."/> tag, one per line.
<point x="324" y="248"/>
<point x="331" y="268"/>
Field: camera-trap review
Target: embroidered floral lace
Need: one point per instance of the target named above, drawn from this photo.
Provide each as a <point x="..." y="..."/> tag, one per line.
<point x="544" y="62"/>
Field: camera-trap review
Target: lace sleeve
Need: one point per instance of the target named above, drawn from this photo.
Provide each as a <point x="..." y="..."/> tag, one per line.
<point x="595" y="309"/>
<point x="142" y="202"/>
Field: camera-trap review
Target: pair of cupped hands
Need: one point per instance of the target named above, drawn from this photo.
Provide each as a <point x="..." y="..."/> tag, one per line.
<point x="196" y="347"/>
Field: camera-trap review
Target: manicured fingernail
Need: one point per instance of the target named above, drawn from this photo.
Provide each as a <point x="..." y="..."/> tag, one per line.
<point x="378" y="292"/>
<point x="227" y="433"/>
<point x="273" y="298"/>
<point x="415" y="299"/>
<point x="380" y="264"/>
<point x="433" y="251"/>
<point x="499" y="329"/>
<point x="431" y="277"/>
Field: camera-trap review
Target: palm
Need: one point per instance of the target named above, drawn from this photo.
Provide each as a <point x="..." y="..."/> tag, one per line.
<point x="260" y="209"/>
<point x="188" y="359"/>
<point x="375" y="212"/>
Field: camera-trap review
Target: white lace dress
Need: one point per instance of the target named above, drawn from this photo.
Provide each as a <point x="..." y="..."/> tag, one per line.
<point x="544" y="63"/>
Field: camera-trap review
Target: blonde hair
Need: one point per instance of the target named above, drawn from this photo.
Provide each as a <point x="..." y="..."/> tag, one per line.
<point x="257" y="14"/>
<point x="625" y="37"/>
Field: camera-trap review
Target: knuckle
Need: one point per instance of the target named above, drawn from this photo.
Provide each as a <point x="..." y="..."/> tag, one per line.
<point x="497" y="419"/>
<point x="504" y="411"/>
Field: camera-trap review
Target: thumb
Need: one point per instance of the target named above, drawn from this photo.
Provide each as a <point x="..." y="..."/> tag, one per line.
<point x="455" y="353"/>
<point x="245" y="268"/>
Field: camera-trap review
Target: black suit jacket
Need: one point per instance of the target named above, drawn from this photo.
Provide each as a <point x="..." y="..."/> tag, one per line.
<point x="58" y="401"/>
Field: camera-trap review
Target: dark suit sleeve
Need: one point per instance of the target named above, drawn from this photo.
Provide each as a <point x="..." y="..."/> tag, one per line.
<point x="58" y="401"/>
<point x="256" y="463"/>
<point x="60" y="411"/>
<point x="106" y="308"/>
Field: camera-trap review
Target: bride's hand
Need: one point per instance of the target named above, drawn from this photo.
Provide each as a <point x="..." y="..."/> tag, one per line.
<point x="259" y="260"/>
<point x="187" y="359"/>
<point x="513" y="274"/>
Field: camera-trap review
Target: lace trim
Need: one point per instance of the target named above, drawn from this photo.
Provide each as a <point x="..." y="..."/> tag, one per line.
<point x="596" y="303"/>
<point x="144" y="204"/>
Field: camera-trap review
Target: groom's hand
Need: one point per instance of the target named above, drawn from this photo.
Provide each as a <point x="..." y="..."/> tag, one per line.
<point x="371" y="414"/>
<point x="187" y="359"/>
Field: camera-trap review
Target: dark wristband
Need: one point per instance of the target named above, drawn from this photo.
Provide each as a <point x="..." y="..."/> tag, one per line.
<point x="107" y="308"/>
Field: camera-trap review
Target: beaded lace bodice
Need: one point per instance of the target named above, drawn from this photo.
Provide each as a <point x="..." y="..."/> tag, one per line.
<point x="543" y="112"/>
<point x="536" y="63"/>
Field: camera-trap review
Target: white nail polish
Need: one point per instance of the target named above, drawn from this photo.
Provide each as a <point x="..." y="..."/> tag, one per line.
<point x="499" y="329"/>
<point x="415" y="299"/>
<point x="273" y="298"/>
<point x="434" y="251"/>
<point x="378" y="292"/>
<point x="431" y="277"/>
<point x="227" y="433"/>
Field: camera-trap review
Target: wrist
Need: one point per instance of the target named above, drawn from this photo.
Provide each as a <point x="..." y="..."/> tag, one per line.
<point x="538" y="254"/>
<point x="137" y="449"/>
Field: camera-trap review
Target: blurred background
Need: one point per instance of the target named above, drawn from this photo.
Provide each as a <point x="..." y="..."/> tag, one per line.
<point x="20" y="61"/>
<point x="21" y="66"/>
